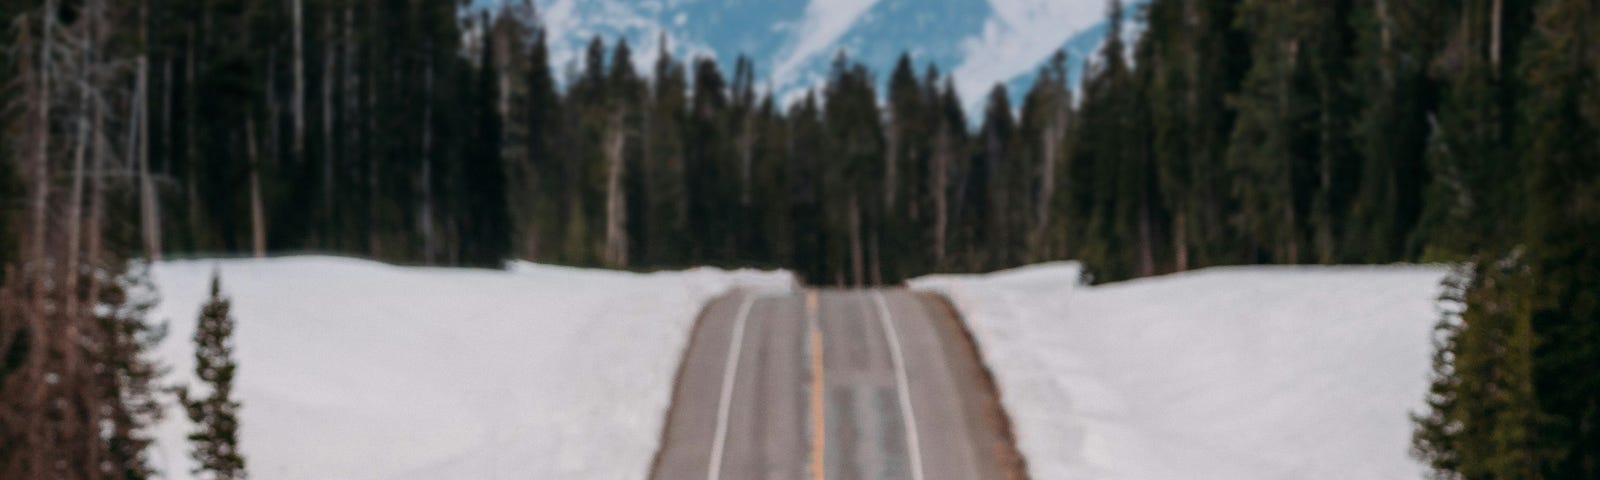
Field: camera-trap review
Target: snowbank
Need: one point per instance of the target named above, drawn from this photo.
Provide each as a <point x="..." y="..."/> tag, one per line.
<point x="352" y="369"/>
<point x="1222" y="373"/>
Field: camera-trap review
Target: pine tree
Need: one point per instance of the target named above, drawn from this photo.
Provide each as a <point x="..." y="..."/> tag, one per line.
<point x="1045" y="120"/>
<point x="1390" y="79"/>
<point x="707" y="162"/>
<point x="946" y="182"/>
<point x="906" y="138"/>
<point x="1195" y="59"/>
<point x="484" y="222"/>
<point x="1437" y="431"/>
<point x="994" y="183"/>
<point x="1562" y="228"/>
<point x="666" y="187"/>
<point x="853" y="172"/>
<point x="1478" y="186"/>
<point x="806" y="191"/>
<point x="1101" y="153"/>
<point x="1288" y="146"/>
<point x="214" y="444"/>
<point x="539" y="198"/>
<point x="1140" y="216"/>
<point x="1484" y="419"/>
<point x="1519" y="372"/>
<point x="129" y="372"/>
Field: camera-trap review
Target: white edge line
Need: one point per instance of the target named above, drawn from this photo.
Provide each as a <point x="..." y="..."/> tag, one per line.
<point x="729" y="369"/>
<point x="912" y="444"/>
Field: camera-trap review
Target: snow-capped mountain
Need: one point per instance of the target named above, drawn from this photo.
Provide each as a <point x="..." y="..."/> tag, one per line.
<point x="793" y="42"/>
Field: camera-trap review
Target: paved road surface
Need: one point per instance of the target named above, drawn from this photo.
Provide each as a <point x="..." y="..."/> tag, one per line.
<point x="886" y="375"/>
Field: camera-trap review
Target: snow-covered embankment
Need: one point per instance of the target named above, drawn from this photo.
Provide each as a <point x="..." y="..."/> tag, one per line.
<point x="1223" y="373"/>
<point x="351" y="369"/>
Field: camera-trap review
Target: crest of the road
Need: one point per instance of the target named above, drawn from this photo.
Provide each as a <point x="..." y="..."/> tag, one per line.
<point x="838" y="384"/>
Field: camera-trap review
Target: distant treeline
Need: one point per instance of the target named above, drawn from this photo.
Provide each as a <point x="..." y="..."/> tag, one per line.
<point x="1230" y="132"/>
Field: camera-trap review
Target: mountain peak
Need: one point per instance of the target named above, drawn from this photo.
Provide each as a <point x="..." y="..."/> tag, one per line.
<point x="793" y="42"/>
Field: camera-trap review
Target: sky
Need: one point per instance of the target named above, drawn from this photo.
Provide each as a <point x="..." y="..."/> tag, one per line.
<point x="793" y="42"/>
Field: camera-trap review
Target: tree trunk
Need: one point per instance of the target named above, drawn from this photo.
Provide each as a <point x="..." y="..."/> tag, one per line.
<point x="1053" y="134"/>
<point x="299" y="99"/>
<point x="330" y="51"/>
<point x="370" y="142"/>
<point x="746" y="145"/>
<point x="1324" y="212"/>
<point x="890" y="168"/>
<point x="1385" y="33"/>
<point x="139" y="149"/>
<point x="258" y="224"/>
<point x="1494" y="36"/>
<point x="425" y="210"/>
<point x="191" y="147"/>
<point x="1288" y="231"/>
<point x="1180" y="240"/>
<point x="616" y="246"/>
<point x="941" y="191"/>
<point x="877" y="260"/>
<point x="857" y="262"/>
<point x="74" y="221"/>
<point x="1147" y="263"/>
<point x="167" y="83"/>
<point x="41" y="146"/>
<point x="96" y="212"/>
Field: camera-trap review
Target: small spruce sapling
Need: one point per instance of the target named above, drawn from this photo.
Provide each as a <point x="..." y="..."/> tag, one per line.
<point x="214" y="443"/>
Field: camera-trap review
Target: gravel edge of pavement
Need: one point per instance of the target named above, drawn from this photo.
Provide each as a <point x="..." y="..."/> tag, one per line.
<point x="677" y="379"/>
<point x="1010" y="460"/>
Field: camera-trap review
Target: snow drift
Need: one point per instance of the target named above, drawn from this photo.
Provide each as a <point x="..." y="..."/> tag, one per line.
<point x="1222" y="373"/>
<point x="351" y="369"/>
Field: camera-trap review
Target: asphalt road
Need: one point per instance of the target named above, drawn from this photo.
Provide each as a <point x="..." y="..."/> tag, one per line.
<point x="886" y="376"/>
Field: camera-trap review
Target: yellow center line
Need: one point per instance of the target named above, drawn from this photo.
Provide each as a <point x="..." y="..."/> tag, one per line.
<point x="818" y="420"/>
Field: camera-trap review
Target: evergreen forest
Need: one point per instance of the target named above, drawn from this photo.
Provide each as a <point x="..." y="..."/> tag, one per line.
<point x="1225" y="132"/>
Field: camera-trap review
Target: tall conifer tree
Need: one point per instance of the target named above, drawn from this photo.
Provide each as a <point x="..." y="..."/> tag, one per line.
<point x="214" y="443"/>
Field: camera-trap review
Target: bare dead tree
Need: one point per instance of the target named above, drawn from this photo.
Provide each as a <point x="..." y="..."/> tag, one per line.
<point x="857" y="252"/>
<point x="939" y="185"/>
<point x="139" y="148"/>
<point x="51" y="406"/>
<point x="425" y="221"/>
<point x="616" y="242"/>
<point x="1051" y="140"/>
<point x="258" y="222"/>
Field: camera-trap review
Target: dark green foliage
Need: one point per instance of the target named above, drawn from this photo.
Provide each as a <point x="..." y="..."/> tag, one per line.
<point x="1515" y="395"/>
<point x="1394" y="41"/>
<point x="484" y="222"/>
<point x="1484" y="419"/>
<point x="1436" y="434"/>
<point x="214" y="444"/>
<point x="1105" y="160"/>
<point x="1289" y="145"/>
<point x="1562" y="228"/>
<point x="475" y="154"/>
<point x="129" y="375"/>
<point x="855" y="145"/>
<point x="1046" y="117"/>
<point x="666" y="230"/>
<point x="538" y="174"/>
<point x="398" y="128"/>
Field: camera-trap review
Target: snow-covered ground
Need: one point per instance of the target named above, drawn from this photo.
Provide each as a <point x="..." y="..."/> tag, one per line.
<point x="350" y="369"/>
<point x="1235" y="373"/>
